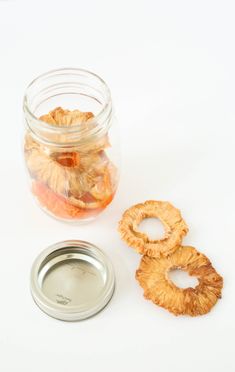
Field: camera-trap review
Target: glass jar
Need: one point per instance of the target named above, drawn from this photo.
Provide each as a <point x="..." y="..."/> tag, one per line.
<point x="71" y="143"/>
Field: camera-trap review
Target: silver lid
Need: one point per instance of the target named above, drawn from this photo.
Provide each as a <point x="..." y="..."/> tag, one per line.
<point x="72" y="280"/>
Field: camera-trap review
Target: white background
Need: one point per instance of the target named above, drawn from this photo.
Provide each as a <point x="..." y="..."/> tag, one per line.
<point x="171" y="68"/>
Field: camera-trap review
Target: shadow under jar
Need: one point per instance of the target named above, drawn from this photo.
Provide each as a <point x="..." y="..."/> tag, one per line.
<point x="71" y="144"/>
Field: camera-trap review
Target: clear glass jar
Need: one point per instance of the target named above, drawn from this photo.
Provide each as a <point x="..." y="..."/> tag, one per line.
<point x="71" y="143"/>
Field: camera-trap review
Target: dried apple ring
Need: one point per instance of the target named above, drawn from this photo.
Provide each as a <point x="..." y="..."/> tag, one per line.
<point x="153" y="278"/>
<point x="175" y="228"/>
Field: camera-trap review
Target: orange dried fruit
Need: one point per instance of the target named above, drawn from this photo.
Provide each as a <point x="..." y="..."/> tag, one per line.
<point x="58" y="205"/>
<point x="175" y="228"/>
<point x="153" y="278"/>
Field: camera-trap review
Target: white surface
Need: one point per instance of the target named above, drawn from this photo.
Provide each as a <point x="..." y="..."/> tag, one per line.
<point x="170" y="66"/>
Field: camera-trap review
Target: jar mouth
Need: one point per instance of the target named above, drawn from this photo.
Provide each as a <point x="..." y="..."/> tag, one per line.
<point x="70" y="79"/>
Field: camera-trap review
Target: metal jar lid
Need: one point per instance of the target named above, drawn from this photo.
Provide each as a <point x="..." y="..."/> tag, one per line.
<point x="72" y="280"/>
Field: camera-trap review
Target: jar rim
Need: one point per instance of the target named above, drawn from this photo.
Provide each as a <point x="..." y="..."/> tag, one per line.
<point x="66" y="71"/>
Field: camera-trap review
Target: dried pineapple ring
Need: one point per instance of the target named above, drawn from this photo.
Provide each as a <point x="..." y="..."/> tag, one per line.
<point x="152" y="276"/>
<point x="175" y="228"/>
<point x="50" y="172"/>
<point x="58" y="205"/>
<point x="61" y="117"/>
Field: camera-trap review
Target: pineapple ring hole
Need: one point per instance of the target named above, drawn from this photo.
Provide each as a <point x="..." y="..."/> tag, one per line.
<point x="182" y="279"/>
<point x="68" y="159"/>
<point x="152" y="227"/>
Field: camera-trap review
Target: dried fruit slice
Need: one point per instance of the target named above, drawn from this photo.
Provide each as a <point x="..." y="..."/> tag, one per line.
<point x="71" y="173"/>
<point x="92" y="204"/>
<point x="58" y="205"/>
<point x="48" y="119"/>
<point x="61" y="117"/>
<point x="153" y="278"/>
<point x="50" y="172"/>
<point x="85" y="120"/>
<point x="175" y="228"/>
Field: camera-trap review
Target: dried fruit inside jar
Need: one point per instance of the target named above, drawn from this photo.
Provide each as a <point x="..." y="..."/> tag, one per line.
<point x="71" y="182"/>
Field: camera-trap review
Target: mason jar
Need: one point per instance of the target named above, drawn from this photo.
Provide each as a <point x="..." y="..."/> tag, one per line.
<point x="71" y="143"/>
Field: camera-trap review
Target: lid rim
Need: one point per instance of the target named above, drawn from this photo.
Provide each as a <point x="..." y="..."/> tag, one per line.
<point x="73" y="316"/>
